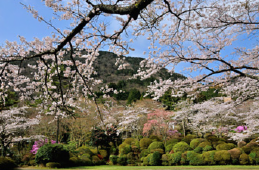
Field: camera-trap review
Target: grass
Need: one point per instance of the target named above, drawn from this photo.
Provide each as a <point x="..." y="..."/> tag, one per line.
<point x="109" y="167"/>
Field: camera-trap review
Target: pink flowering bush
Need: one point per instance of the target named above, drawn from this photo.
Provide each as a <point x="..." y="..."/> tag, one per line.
<point x="241" y="129"/>
<point x="159" y="123"/>
<point x="38" y="144"/>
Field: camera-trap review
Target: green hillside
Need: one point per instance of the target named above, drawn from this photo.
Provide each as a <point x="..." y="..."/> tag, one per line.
<point x="109" y="73"/>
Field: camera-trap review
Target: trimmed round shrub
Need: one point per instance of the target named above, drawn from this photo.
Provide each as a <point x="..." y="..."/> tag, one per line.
<point x="166" y="159"/>
<point x="222" y="157"/>
<point x="225" y="146"/>
<point x="155" y="145"/>
<point x="113" y="159"/>
<point x="27" y="157"/>
<point x="7" y="163"/>
<point x="184" y="158"/>
<point x="74" y="161"/>
<point x="195" y="142"/>
<point x="235" y="153"/>
<point x="144" y="153"/>
<point x="208" y="158"/>
<point x="146" y="160"/>
<point x="207" y="148"/>
<point x="244" y="159"/>
<point x="254" y="155"/>
<point x="214" y="144"/>
<point x="94" y="151"/>
<point x="169" y="147"/>
<point x="176" y="158"/>
<point x="188" y="138"/>
<point x="113" y="151"/>
<point x="84" y="150"/>
<point x="157" y="150"/>
<point x="171" y="141"/>
<point x="155" y="159"/>
<point x="198" y="149"/>
<point x="204" y="144"/>
<point x="144" y="143"/>
<point x="129" y="141"/>
<point x="122" y="160"/>
<point x="154" y="138"/>
<point x="135" y="144"/>
<point x="130" y="158"/>
<point x="32" y="163"/>
<point x="85" y="160"/>
<point x="249" y="147"/>
<point x="52" y="153"/>
<point x="241" y="144"/>
<point x="212" y="138"/>
<point x="53" y="165"/>
<point x="181" y="147"/>
<point x="194" y="158"/>
<point x="103" y="153"/>
<point x="86" y="155"/>
<point x="124" y="148"/>
<point x="97" y="161"/>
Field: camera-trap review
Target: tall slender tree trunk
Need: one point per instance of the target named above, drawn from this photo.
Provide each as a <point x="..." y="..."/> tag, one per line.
<point x="57" y="130"/>
<point x="183" y="124"/>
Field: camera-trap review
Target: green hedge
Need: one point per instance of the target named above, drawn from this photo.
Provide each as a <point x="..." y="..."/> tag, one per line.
<point x="181" y="147"/>
<point x="244" y="159"/>
<point x="176" y="158"/>
<point x="122" y="160"/>
<point x="124" y="148"/>
<point x="225" y="146"/>
<point x="169" y="147"/>
<point x="7" y="163"/>
<point x="249" y="147"/>
<point x="144" y="143"/>
<point x="53" y="165"/>
<point x="254" y="155"/>
<point x="155" y="145"/>
<point x="129" y="141"/>
<point x="222" y="157"/>
<point x="189" y="138"/>
<point x="155" y="159"/>
<point x="195" y="142"/>
<point x="52" y="153"/>
<point x="84" y="149"/>
<point x="113" y="159"/>
<point x="166" y="159"/>
<point x="208" y="158"/>
<point x="195" y="158"/>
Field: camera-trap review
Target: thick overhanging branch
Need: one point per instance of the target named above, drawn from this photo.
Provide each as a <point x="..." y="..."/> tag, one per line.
<point x="132" y="10"/>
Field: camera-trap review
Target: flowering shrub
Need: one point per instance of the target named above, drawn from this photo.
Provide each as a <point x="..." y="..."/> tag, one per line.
<point x="52" y="153"/>
<point x="38" y="144"/>
<point x="241" y="129"/>
<point x="159" y="123"/>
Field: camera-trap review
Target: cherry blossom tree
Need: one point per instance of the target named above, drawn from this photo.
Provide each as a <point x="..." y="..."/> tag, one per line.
<point x="194" y="32"/>
<point x="13" y="124"/>
<point x="213" y="116"/>
<point x="127" y="119"/>
<point x="220" y="118"/>
<point x="159" y="122"/>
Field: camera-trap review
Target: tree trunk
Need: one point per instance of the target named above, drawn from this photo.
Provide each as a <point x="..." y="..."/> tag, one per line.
<point x="57" y="130"/>
<point x="183" y="128"/>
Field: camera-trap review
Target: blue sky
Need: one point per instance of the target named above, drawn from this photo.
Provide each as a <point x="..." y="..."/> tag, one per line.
<point x="15" y="20"/>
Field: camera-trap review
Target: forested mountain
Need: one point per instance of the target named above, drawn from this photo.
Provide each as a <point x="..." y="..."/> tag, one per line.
<point x="109" y="73"/>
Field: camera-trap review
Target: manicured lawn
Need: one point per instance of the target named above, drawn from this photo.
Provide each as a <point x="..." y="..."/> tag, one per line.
<point x="107" y="167"/>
